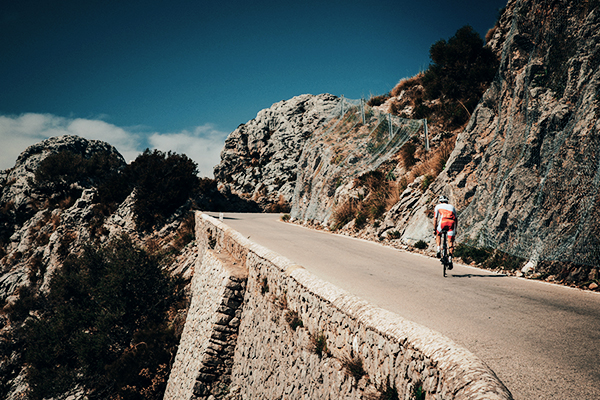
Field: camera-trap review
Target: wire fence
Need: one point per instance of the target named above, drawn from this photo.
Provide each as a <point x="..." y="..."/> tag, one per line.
<point x="355" y="138"/>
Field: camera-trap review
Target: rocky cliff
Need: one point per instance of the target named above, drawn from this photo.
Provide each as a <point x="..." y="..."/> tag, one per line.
<point x="260" y="158"/>
<point x="525" y="172"/>
<point x="49" y="211"/>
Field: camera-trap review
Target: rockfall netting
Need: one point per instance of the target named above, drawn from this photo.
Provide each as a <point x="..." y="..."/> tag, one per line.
<point x="355" y="139"/>
<point x="543" y="203"/>
<point x="538" y="182"/>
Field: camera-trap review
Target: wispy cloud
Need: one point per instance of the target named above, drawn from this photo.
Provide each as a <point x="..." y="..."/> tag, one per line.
<point x="203" y="144"/>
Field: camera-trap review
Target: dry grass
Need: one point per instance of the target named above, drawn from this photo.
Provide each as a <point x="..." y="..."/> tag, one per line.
<point x="434" y="162"/>
<point x="394" y="195"/>
<point x="281" y="206"/>
<point x="407" y="83"/>
<point x="353" y="367"/>
<point x="344" y="213"/>
<point x="186" y="232"/>
<point x="490" y="34"/>
<point x="318" y="345"/>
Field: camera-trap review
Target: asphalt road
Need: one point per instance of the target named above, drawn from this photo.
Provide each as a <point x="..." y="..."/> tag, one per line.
<point x="542" y="340"/>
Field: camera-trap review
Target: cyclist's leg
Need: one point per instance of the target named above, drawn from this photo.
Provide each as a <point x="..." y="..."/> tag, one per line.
<point x="451" y="235"/>
<point x="449" y="241"/>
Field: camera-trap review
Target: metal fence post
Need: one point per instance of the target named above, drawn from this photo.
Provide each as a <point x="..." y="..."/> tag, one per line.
<point x="426" y="134"/>
<point x="362" y="110"/>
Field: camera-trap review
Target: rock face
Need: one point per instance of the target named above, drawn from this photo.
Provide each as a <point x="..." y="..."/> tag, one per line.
<point x="38" y="236"/>
<point x="260" y="158"/>
<point x="39" y="228"/>
<point x="16" y="183"/>
<point x="525" y="173"/>
<point x="342" y="150"/>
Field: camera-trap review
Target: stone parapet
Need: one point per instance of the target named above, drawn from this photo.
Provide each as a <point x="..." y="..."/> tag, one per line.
<point x="302" y="338"/>
<point x="204" y="358"/>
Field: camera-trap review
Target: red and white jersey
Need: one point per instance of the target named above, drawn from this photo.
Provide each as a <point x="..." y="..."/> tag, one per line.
<point x="445" y="214"/>
<point x="444" y="211"/>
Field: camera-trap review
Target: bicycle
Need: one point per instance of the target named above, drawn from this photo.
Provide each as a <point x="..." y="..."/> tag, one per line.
<point x="445" y="257"/>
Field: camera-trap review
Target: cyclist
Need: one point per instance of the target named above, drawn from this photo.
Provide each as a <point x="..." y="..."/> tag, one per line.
<point x="444" y="216"/>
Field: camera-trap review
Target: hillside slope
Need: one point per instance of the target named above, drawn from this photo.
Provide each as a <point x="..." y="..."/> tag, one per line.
<point x="64" y="197"/>
<point x="525" y="172"/>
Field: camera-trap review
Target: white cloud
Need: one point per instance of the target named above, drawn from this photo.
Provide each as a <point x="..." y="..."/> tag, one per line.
<point x="203" y="144"/>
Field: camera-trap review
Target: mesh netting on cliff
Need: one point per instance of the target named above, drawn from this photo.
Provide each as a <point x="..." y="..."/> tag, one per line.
<point x="545" y="200"/>
<point x="355" y="139"/>
<point x="539" y="184"/>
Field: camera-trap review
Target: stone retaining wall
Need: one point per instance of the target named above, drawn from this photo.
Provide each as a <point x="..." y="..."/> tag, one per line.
<point x="302" y="338"/>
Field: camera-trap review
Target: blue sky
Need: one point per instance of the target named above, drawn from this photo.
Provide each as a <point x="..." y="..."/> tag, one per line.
<point x="180" y="75"/>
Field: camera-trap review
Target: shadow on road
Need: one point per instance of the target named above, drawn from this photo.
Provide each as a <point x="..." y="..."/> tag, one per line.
<point x="478" y="276"/>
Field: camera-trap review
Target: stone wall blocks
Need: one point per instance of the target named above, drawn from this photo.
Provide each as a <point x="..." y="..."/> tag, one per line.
<point x="218" y="335"/>
<point x="206" y="377"/>
<point x="200" y="389"/>
<point x="223" y="309"/>
<point x="222" y="319"/>
<point x="233" y="302"/>
<point x="222" y="328"/>
<point x="218" y="342"/>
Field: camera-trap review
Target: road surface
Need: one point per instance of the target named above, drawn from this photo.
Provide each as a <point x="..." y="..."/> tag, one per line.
<point x="542" y="340"/>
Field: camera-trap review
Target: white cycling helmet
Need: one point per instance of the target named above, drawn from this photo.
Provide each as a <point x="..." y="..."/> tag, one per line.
<point x="443" y="199"/>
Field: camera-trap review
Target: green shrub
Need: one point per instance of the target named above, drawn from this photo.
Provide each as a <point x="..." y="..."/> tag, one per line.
<point x="293" y="319"/>
<point x="163" y="183"/>
<point x="418" y="393"/>
<point x="461" y="70"/>
<point x="57" y="173"/>
<point x="104" y="326"/>
<point x="499" y="259"/>
<point x="471" y="254"/>
<point x="421" y="245"/>
<point x="393" y="235"/>
<point x="66" y="167"/>
<point x="427" y="180"/>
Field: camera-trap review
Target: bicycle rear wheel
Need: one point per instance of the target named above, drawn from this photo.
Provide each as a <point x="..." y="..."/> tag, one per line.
<point x="444" y="252"/>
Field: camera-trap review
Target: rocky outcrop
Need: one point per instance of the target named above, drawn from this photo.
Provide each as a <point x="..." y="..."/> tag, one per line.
<point x="525" y="173"/>
<point x="37" y="237"/>
<point x="18" y="191"/>
<point x="260" y="158"/>
<point x="347" y="147"/>
<point x="42" y="223"/>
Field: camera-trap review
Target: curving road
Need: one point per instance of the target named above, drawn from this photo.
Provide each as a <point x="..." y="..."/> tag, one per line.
<point x="542" y="340"/>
